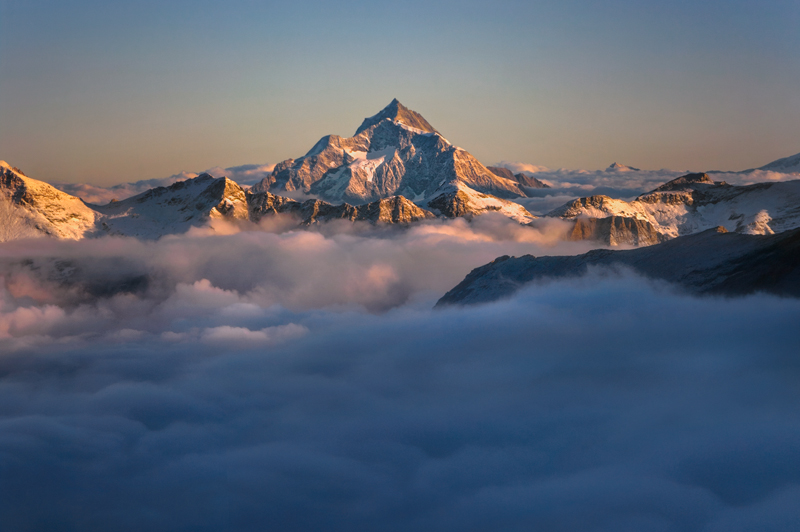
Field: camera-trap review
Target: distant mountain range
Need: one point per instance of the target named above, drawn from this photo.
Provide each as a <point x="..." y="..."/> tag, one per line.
<point x="396" y="169"/>
<point x="686" y="205"/>
<point x="31" y="208"/>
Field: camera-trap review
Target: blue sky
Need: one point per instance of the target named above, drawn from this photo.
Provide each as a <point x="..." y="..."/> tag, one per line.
<point x="109" y="92"/>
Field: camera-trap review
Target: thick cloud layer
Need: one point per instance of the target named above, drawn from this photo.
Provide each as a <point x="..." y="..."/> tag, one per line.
<point x="334" y="265"/>
<point x="301" y="381"/>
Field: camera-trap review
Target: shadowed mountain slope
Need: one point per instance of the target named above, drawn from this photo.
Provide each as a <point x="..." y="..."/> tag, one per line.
<point x="710" y="262"/>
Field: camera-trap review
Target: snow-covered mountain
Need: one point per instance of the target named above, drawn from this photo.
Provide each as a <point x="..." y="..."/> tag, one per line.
<point x="396" y="153"/>
<point x="710" y="262"/>
<point x="174" y="209"/>
<point x="31" y="208"/>
<point x="690" y="204"/>
<point x="616" y="167"/>
<point x="786" y="165"/>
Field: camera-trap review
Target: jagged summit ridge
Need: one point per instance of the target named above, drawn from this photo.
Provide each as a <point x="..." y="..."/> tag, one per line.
<point x="396" y="152"/>
<point x="397" y="112"/>
<point x="32" y="209"/>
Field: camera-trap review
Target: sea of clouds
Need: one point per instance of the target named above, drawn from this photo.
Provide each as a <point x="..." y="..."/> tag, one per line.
<point x="276" y="379"/>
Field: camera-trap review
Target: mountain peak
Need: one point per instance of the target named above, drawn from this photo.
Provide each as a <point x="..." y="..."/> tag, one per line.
<point x="684" y="182"/>
<point x="397" y="112"/>
<point x="621" y="168"/>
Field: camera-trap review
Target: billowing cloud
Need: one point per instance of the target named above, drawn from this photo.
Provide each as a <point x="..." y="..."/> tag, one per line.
<point x="604" y="403"/>
<point x="339" y="264"/>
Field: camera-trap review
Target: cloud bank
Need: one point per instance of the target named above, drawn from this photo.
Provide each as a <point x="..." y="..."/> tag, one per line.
<point x="606" y="403"/>
<point x="272" y="379"/>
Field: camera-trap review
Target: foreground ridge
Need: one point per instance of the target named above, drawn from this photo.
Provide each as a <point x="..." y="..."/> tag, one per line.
<point x="711" y="262"/>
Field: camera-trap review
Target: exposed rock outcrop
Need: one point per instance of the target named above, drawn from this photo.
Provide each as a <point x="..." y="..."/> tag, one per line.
<point x="394" y="210"/>
<point x="616" y="231"/>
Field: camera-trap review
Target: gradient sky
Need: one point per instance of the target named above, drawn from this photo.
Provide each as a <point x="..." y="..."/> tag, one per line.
<point x="107" y="92"/>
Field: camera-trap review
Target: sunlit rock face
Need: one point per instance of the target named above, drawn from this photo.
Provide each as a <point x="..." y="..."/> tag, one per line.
<point x="394" y="210"/>
<point x="616" y="231"/>
<point x="711" y="262"/>
<point x="458" y="200"/>
<point x="31" y="208"/>
<point x="687" y="205"/>
<point x="395" y="152"/>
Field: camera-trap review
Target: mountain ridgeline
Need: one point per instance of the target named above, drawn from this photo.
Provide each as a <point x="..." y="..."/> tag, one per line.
<point x="398" y="153"/>
<point x="31" y="208"/>
<point x="713" y="261"/>
<point x="398" y="169"/>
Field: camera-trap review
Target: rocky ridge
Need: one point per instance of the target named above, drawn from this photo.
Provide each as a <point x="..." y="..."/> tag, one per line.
<point x="687" y="205"/>
<point x="31" y="208"/>
<point x="786" y="165"/>
<point x="711" y="262"/>
<point x="393" y="153"/>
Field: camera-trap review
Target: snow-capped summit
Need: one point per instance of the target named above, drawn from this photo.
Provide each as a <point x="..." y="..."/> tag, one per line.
<point x="616" y="167"/>
<point x="31" y="208"/>
<point x="399" y="113"/>
<point x="174" y="209"/>
<point x="395" y="152"/>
